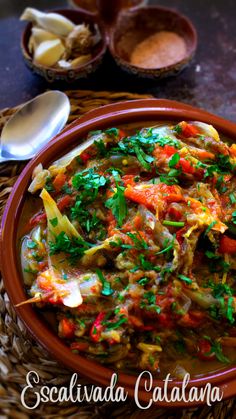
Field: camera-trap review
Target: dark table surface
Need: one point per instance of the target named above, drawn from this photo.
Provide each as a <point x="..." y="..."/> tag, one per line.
<point x="209" y="82"/>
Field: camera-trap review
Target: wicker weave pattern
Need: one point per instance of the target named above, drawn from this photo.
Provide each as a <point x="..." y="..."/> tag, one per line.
<point x="19" y="353"/>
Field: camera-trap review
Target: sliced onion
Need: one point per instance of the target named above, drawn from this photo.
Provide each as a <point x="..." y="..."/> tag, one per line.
<point x="61" y="164"/>
<point x="207" y="130"/>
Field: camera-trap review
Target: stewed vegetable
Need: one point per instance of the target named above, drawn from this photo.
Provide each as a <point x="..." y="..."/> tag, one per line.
<point x="133" y="248"/>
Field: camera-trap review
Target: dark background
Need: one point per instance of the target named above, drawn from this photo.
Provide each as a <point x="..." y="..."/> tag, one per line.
<point x="209" y="82"/>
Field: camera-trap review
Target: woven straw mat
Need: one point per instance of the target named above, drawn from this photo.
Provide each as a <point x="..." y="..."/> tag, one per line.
<point x="19" y="353"/>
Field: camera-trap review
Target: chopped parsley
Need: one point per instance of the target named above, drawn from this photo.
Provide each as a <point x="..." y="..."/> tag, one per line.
<point x="143" y="281"/>
<point x="142" y="145"/>
<point x="221" y="167"/>
<point x="54" y="221"/>
<point x="99" y="144"/>
<point x="232" y="198"/>
<point x="106" y="286"/>
<point x="88" y="182"/>
<point x="170" y="178"/>
<point x="115" y="325"/>
<point x="216" y="349"/>
<point x="149" y="302"/>
<point x="174" y="160"/>
<point x="167" y="246"/>
<point x="212" y="224"/>
<point x="178" y="129"/>
<point x="74" y="246"/>
<point x="67" y="189"/>
<point x="185" y="279"/>
<point x="117" y="203"/>
<point x="234" y="217"/>
<point x="48" y="184"/>
<point x="113" y="132"/>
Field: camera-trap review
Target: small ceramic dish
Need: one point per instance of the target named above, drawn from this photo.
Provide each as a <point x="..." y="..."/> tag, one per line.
<point x="135" y="26"/>
<point x="52" y="74"/>
<point x="91" y="5"/>
<point x="124" y="25"/>
<point x="141" y="111"/>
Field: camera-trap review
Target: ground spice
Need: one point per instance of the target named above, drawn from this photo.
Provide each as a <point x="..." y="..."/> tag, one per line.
<point x="159" y="50"/>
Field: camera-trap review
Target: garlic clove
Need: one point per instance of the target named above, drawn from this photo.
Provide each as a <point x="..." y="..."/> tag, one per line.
<point x="52" y="22"/>
<point x="80" y="40"/>
<point x="83" y="59"/>
<point x="49" y="52"/>
<point x="63" y="64"/>
<point x="38" y="36"/>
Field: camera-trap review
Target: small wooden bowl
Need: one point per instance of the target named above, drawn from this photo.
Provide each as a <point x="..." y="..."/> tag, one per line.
<point x="91" y="5"/>
<point x="133" y="26"/>
<point x="121" y="30"/>
<point x="52" y="74"/>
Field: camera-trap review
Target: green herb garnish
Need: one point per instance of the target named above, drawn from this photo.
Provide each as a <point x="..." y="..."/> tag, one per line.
<point x="106" y="286"/>
<point x="185" y="279"/>
<point x="117" y="203"/>
<point x="74" y="246"/>
<point x="54" y="221"/>
<point x="210" y="227"/>
<point x="232" y="198"/>
<point x="174" y="160"/>
<point x="173" y="223"/>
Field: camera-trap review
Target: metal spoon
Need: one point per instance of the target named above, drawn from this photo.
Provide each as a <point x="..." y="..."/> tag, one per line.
<point x="33" y="125"/>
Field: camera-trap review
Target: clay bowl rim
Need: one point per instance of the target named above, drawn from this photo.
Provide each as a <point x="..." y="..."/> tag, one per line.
<point x="110" y="115"/>
<point x="138" y="10"/>
<point x="63" y="71"/>
<point x="73" y="4"/>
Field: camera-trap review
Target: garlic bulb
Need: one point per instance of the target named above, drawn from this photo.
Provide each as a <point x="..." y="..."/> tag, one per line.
<point x="49" y="52"/>
<point x="79" y="41"/>
<point x="39" y="35"/>
<point x="52" y="22"/>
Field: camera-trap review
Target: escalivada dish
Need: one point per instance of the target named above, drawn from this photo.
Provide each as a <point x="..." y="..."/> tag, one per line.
<point x="127" y="245"/>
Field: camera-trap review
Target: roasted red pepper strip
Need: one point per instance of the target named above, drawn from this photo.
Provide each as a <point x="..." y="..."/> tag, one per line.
<point x="122" y="134"/>
<point x="65" y="202"/>
<point x="188" y="130"/>
<point x="193" y="318"/>
<point x="59" y="181"/>
<point x="204" y="350"/>
<point x="169" y="150"/>
<point x="227" y="245"/>
<point x="85" y="156"/>
<point x="185" y="165"/>
<point x="150" y="196"/>
<point x="66" y="328"/>
<point x="128" y="180"/>
<point x="38" y="218"/>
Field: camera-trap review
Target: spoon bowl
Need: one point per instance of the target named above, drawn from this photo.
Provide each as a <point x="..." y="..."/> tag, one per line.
<point x="33" y="125"/>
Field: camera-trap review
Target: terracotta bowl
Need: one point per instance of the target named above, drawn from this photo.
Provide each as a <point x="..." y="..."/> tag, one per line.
<point x="67" y="75"/>
<point x="133" y="26"/>
<point x="107" y="116"/>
